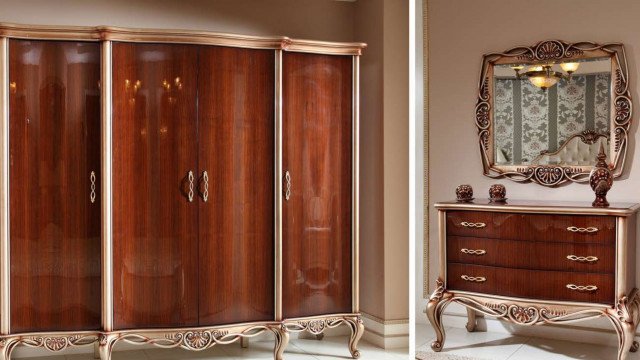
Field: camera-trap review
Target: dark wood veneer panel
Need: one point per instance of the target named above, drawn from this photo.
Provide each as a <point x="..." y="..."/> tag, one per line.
<point x="534" y="284"/>
<point x="531" y="254"/>
<point x="54" y="123"/>
<point x="534" y="227"/>
<point x="236" y="137"/>
<point x="317" y="151"/>
<point x="155" y="239"/>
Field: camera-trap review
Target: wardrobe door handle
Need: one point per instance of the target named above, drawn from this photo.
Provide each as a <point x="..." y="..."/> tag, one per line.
<point x="92" y="193"/>
<point x="191" y="179"/>
<point x="205" y="181"/>
<point x="287" y="181"/>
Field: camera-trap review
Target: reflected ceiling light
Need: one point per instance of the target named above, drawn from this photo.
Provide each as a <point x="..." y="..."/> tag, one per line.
<point x="543" y="76"/>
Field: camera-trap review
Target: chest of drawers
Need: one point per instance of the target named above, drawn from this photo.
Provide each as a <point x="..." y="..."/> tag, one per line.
<point x="535" y="263"/>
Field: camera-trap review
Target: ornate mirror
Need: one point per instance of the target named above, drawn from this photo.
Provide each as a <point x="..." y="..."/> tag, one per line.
<point x="543" y="112"/>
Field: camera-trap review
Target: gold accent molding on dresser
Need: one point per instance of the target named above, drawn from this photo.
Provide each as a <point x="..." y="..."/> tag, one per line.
<point x="541" y="54"/>
<point x="533" y="294"/>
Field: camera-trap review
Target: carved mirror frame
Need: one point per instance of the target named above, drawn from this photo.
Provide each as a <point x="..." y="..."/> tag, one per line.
<point x="544" y="52"/>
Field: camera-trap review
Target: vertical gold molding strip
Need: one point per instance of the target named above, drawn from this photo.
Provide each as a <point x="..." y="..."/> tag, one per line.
<point x="621" y="257"/>
<point x="355" y="223"/>
<point x="107" y="225"/>
<point x="278" y="186"/>
<point x="5" y="310"/>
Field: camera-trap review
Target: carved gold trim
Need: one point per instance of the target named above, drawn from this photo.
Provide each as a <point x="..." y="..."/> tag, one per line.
<point x="54" y="342"/>
<point x="5" y="311"/>
<point x="556" y="50"/>
<point x="111" y="33"/>
<point x="539" y="209"/>
<point x="624" y="315"/>
<point x="316" y="325"/>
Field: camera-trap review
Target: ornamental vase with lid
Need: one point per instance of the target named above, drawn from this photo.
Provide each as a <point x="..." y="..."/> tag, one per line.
<point x="601" y="179"/>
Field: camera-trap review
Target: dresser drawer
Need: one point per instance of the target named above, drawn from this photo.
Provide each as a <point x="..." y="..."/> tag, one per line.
<point x="533" y="227"/>
<point x="531" y="254"/>
<point x="533" y="284"/>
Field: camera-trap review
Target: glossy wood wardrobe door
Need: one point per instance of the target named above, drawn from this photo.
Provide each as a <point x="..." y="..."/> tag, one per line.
<point x="236" y="136"/>
<point x="317" y="144"/>
<point x="54" y="136"/>
<point x="155" y="240"/>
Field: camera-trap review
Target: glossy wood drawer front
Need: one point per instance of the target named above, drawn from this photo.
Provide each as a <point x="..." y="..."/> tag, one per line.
<point x="533" y="284"/>
<point x="533" y="227"/>
<point x="531" y="254"/>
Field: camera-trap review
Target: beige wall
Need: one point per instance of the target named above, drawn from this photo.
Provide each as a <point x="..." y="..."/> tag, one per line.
<point x="460" y="32"/>
<point x="384" y="129"/>
<point x="383" y="24"/>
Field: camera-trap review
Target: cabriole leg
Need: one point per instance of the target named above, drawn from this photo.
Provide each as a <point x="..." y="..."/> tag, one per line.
<point x="435" y="309"/>
<point x="6" y="348"/>
<point x="471" y="320"/>
<point x="105" y="347"/>
<point x="357" y="329"/>
<point x="282" y="340"/>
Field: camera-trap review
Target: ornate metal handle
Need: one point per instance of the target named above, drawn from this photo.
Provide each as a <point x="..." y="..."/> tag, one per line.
<point x="478" y="225"/>
<point x="582" y="258"/>
<point x="473" y="278"/>
<point x="92" y="193"/>
<point x="586" y="288"/>
<point x="191" y="178"/>
<point x="582" y="230"/>
<point x="205" y="180"/>
<point x="287" y="180"/>
<point x="478" y="252"/>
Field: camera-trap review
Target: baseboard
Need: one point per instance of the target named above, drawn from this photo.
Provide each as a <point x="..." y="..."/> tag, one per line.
<point x="387" y="334"/>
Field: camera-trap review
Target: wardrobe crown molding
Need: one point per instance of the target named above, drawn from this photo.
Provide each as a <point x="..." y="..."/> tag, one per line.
<point x="112" y="33"/>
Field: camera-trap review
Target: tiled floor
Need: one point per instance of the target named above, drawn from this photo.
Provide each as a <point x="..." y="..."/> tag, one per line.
<point x="298" y="349"/>
<point x="495" y="346"/>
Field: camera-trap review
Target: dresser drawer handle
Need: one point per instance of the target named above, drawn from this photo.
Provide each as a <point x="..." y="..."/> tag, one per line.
<point x="473" y="278"/>
<point x="582" y="258"/>
<point x="478" y="252"/>
<point x="582" y="230"/>
<point x="473" y="225"/>
<point x="586" y="288"/>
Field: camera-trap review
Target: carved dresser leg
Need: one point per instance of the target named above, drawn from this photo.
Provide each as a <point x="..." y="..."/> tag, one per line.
<point x="6" y="348"/>
<point x="357" y="329"/>
<point x="105" y="347"/>
<point x="471" y="321"/>
<point x="282" y="340"/>
<point x="435" y="309"/>
<point x="244" y="342"/>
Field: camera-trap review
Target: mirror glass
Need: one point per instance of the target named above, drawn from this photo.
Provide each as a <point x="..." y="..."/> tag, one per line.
<point x="561" y="119"/>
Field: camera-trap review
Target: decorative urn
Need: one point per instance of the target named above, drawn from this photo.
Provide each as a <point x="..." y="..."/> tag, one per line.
<point x="601" y="179"/>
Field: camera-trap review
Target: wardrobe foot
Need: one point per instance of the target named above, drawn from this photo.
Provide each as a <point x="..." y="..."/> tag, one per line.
<point x="105" y="346"/>
<point x="357" y="329"/>
<point x="319" y="336"/>
<point x="96" y="350"/>
<point x="471" y="320"/>
<point x="244" y="342"/>
<point x="6" y="348"/>
<point x="282" y="340"/>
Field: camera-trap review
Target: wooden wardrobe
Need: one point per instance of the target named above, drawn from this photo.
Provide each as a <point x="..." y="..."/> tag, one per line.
<point x="175" y="188"/>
